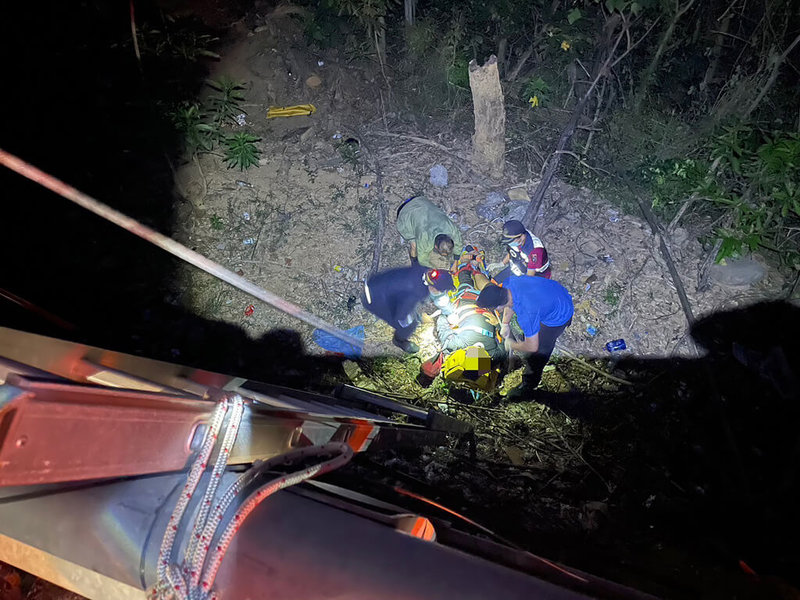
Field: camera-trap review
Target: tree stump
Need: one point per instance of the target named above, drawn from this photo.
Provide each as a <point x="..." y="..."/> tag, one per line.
<point x="489" y="140"/>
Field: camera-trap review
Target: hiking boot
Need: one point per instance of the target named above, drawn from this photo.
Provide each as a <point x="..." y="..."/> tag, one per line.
<point x="406" y="345"/>
<point x="520" y="394"/>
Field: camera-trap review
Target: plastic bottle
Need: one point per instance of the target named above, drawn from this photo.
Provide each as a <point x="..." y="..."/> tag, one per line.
<point x="616" y="345"/>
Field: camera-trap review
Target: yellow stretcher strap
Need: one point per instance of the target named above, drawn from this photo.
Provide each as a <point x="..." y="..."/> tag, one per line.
<point x="298" y="110"/>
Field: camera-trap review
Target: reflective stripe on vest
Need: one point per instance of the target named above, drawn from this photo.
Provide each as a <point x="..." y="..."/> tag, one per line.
<point x="537" y="243"/>
<point x="367" y="295"/>
<point x="476" y="329"/>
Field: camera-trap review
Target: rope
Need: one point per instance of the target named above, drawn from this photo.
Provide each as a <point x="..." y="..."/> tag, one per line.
<point x="193" y="578"/>
<point x="165" y="243"/>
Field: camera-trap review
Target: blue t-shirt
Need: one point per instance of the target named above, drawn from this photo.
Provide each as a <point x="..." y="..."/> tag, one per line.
<point x="539" y="301"/>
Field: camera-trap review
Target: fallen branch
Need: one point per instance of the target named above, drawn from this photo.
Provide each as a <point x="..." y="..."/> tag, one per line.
<point x="418" y="140"/>
<point x="463" y="163"/>
<point x="582" y="162"/>
<point x="376" y="252"/>
<point x="667" y="256"/>
<point x="676" y="219"/>
<point x="582" y="362"/>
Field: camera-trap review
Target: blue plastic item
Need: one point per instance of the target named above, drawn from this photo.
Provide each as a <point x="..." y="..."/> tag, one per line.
<point x="616" y="345"/>
<point x="592" y="331"/>
<point x="333" y="344"/>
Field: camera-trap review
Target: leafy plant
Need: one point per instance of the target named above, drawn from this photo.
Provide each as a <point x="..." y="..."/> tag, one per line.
<point x="322" y="26"/>
<point x="178" y="42"/>
<point x="217" y="224"/>
<point x="198" y="135"/>
<point x="536" y="87"/>
<point x="203" y="127"/>
<point x="350" y="151"/>
<point x="420" y="39"/>
<point x="458" y="73"/>
<point x="241" y="151"/>
<point x="753" y="176"/>
<point x="225" y="105"/>
<point x="612" y="294"/>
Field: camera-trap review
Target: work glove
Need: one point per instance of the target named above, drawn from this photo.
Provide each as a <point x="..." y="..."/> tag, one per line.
<point x="495" y="266"/>
<point x="505" y="331"/>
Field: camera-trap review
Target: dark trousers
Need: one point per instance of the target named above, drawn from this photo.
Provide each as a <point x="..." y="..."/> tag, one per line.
<point x="536" y="361"/>
<point x="381" y="310"/>
<point x="402" y="334"/>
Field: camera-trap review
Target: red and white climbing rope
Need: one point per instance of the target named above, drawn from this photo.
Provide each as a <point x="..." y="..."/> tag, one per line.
<point x="211" y="536"/>
<point x="342" y="453"/>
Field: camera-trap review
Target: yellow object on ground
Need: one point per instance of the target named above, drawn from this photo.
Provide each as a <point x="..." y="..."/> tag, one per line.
<point x="472" y="366"/>
<point x="298" y="110"/>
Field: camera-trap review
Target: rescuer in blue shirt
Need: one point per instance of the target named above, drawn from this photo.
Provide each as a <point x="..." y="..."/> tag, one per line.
<point x="394" y="296"/>
<point x="543" y="308"/>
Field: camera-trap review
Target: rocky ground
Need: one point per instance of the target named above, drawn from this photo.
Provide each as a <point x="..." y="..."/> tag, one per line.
<point x="303" y="223"/>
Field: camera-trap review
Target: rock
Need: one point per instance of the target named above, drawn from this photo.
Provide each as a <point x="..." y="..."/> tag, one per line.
<point x="488" y="209"/>
<point x="516" y="210"/>
<point x="438" y="176"/>
<point x="314" y="82"/>
<point x="304" y="137"/>
<point x="737" y="273"/>
<point x="519" y="192"/>
<point x="679" y="236"/>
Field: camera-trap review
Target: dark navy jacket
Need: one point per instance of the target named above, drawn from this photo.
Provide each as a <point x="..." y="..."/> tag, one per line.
<point x="395" y="294"/>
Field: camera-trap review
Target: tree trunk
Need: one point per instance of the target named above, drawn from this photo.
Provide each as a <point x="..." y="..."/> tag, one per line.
<point x="410" y="7"/>
<point x="514" y="72"/>
<point x="647" y="77"/>
<point x="489" y="140"/>
<point x="716" y="52"/>
<point x="502" y="46"/>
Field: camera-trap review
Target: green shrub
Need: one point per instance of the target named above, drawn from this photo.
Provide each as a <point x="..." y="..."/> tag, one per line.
<point x="202" y="127"/>
<point x="536" y="87"/>
<point x="241" y="151"/>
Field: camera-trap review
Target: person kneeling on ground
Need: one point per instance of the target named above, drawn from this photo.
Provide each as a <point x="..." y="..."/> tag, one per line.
<point x="432" y="234"/>
<point x="543" y="309"/>
<point x="525" y="253"/>
<point x="395" y="295"/>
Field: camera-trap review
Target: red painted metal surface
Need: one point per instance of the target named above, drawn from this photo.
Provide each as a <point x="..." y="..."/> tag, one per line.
<point x="62" y="432"/>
